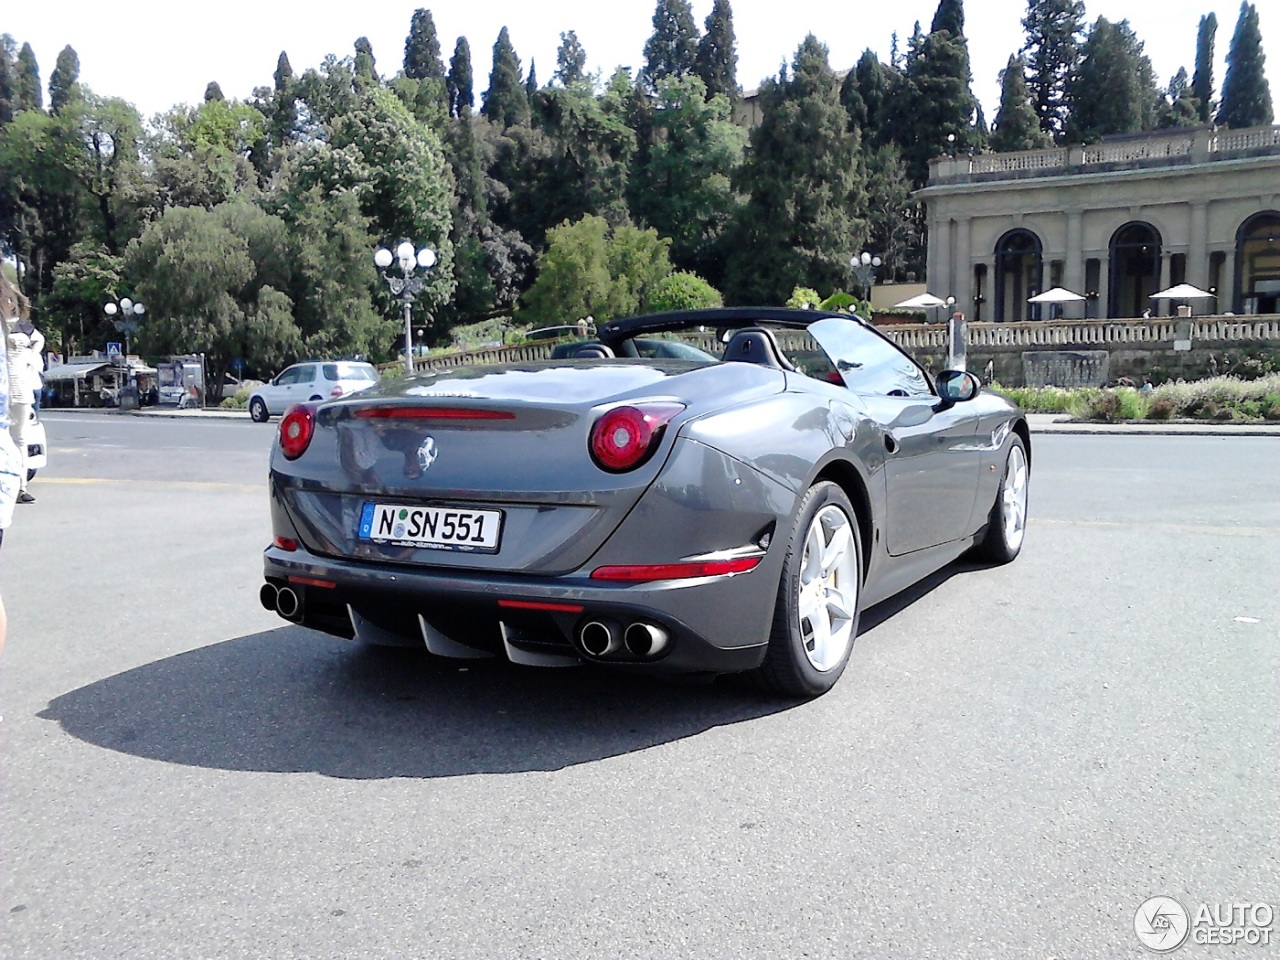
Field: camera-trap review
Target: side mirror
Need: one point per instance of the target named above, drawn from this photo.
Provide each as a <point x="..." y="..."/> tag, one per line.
<point x="957" y="386"/>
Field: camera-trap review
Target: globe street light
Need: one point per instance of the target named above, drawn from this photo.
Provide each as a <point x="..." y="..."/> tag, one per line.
<point x="126" y="315"/>
<point x="408" y="286"/>
<point x="864" y="265"/>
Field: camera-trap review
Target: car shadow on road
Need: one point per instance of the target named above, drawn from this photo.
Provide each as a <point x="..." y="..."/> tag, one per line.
<point x="290" y="700"/>
<point x="887" y="609"/>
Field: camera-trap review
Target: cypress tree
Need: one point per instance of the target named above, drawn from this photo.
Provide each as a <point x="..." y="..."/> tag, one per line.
<point x="6" y="80"/>
<point x="940" y="117"/>
<point x="64" y="82"/>
<point x="807" y="189"/>
<point x="213" y="92"/>
<point x="422" y="48"/>
<point x="459" y="82"/>
<point x="284" y="112"/>
<point x="1017" y="126"/>
<point x="365" y="65"/>
<point x="874" y="90"/>
<point x="1202" y="80"/>
<point x="571" y="60"/>
<point x="531" y="81"/>
<point x="717" y="60"/>
<point x="1052" y="54"/>
<point x="949" y="17"/>
<point x="27" y="91"/>
<point x="672" y="51"/>
<point x="1114" y="91"/>
<point x="506" y="103"/>
<point x="1246" y="95"/>
<point x="1179" y="108"/>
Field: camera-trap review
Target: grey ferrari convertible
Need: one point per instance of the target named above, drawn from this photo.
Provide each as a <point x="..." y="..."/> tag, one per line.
<point x="725" y="505"/>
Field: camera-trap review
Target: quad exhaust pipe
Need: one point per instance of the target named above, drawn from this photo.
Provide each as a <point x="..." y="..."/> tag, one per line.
<point x="604" y="639"/>
<point x="600" y="638"/>
<point x="283" y="600"/>
<point x="645" y="640"/>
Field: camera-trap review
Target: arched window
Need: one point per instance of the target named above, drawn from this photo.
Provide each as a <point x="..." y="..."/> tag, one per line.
<point x="1135" y="270"/>
<point x="1018" y="270"/>
<point x="1258" y="264"/>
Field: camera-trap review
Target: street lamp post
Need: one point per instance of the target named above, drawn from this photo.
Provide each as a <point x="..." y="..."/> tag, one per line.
<point x="127" y="317"/>
<point x="864" y="266"/>
<point x="408" y="286"/>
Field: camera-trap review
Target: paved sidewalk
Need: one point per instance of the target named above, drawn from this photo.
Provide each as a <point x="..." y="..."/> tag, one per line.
<point x="1040" y="423"/>
<point x="1060" y="423"/>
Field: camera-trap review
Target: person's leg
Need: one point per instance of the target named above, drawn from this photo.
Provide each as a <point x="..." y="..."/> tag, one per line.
<point x="19" y="414"/>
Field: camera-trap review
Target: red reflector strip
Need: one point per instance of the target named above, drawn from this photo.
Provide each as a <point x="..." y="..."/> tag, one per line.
<point x="313" y="582"/>
<point x="284" y="543"/>
<point x="675" y="571"/>
<point x="542" y="605"/>
<point x="432" y="413"/>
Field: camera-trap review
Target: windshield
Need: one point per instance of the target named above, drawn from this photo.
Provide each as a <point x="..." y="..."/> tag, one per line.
<point x="869" y="363"/>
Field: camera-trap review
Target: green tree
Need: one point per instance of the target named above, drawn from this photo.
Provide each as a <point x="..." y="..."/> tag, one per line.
<point x="459" y="81"/>
<point x="683" y="187"/>
<point x="1114" y="91"/>
<point x="1202" y="80"/>
<point x="213" y="282"/>
<point x="804" y="215"/>
<point x="28" y="93"/>
<point x="683" y="291"/>
<point x="1246" y="95"/>
<point x="395" y="165"/>
<point x="422" y="59"/>
<point x="717" y="59"/>
<point x="949" y="17"/>
<point x="42" y="201"/>
<point x="72" y="310"/>
<point x="365" y="68"/>
<point x="590" y="269"/>
<point x="895" y="220"/>
<point x="332" y="275"/>
<point x="1052" y="56"/>
<point x="64" y="81"/>
<point x="6" y="78"/>
<point x="672" y="50"/>
<point x="505" y="102"/>
<point x="1017" y="126"/>
<point x="1179" y="107"/>
<point x="283" y="116"/>
<point x="571" y="61"/>
<point x="941" y="102"/>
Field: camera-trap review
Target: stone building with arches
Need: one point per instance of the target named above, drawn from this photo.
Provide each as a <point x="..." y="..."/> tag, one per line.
<point x="1114" y="221"/>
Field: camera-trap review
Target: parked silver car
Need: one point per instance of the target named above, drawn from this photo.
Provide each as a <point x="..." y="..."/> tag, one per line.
<point x="310" y="382"/>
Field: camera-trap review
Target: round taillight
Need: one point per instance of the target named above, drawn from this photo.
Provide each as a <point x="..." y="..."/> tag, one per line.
<point x="625" y="437"/>
<point x="296" y="429"/>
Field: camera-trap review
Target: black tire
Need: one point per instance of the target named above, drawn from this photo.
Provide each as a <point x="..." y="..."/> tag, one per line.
<point x="806" y="656"/>
<point x="1007" y="524"/>
<point x="258" y="410"/>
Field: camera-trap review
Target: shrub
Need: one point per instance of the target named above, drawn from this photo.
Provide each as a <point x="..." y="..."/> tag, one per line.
<point x="683" y="291"/>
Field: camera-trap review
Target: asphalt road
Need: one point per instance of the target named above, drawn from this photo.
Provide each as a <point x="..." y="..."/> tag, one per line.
<point x="1016" y="758"/>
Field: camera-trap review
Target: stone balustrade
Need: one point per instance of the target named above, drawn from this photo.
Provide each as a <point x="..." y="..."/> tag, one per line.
<point x="928" y="338"/>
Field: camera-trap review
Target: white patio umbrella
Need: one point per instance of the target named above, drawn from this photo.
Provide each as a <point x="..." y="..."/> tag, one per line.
<point x="1183" y="291"/>
<point x="1056" y="295"/>
<point x="922" y="300"/>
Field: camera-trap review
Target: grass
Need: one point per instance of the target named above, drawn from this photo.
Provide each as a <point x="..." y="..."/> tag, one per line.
<point x="1223" y="399"/>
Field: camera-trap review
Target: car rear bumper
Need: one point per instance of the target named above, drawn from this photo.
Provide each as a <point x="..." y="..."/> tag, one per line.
<point x="713" y="624"/>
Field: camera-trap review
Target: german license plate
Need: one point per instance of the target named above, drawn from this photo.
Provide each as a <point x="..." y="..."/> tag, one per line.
<point x="431" y="528"/>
